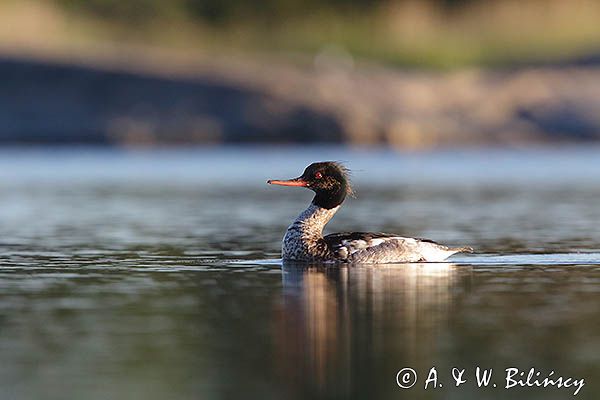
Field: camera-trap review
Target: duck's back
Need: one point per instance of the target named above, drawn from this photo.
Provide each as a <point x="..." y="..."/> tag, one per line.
<point x="377" y="247"/>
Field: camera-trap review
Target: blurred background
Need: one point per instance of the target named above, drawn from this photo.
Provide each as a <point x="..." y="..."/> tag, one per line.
<point x="408" y="74"/>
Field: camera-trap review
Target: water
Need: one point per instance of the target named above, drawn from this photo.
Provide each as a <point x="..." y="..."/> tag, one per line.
<point x="156" y="275"/>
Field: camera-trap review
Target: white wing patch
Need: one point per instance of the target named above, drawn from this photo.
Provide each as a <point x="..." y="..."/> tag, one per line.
<point x="349" y="247"/>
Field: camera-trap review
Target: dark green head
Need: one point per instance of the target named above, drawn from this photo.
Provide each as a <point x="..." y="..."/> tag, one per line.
<point x="328" y="179"/>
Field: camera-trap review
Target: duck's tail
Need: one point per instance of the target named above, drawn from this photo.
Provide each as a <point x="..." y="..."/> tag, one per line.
<point x="465" y="249"/>
<point x="433" y="252"/>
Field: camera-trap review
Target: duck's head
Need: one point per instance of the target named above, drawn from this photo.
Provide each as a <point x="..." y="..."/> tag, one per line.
<point x="329" y="180"/>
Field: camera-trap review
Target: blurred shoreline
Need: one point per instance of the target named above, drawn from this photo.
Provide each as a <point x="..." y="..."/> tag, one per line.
<point x="407" y="74"/>
<point x="331" y="100"/>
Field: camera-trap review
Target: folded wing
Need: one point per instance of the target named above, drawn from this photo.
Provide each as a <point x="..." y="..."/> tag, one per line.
<point x="377" y="247"/>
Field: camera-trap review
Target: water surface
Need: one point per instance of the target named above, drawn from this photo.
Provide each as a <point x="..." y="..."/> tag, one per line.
<point x="157" y="275"/>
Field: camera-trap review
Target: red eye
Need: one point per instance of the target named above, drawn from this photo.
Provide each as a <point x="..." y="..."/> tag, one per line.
<point x="318" y="175"/>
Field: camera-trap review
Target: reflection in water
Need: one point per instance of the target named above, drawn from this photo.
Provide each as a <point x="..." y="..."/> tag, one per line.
<point x="346" y="332"/>
<point x="342" y="326"/>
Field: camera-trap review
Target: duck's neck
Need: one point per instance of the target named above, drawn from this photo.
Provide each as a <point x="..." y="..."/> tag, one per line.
<point x="310" y="222"/>
<point x="304" y="238"/>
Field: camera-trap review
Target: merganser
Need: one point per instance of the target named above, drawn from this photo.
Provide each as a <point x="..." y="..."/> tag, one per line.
<point x="304" y="240"/>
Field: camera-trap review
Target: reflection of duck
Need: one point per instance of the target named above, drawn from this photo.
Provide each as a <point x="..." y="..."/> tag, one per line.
<point x="340" y="332"/>
<point x="304" y="240"/>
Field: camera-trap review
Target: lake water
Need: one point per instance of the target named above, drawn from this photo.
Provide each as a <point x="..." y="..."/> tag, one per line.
<point x="155" y="275"/>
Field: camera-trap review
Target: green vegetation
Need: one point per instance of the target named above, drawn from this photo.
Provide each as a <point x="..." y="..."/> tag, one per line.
<point x="431" y="33"/>
<point x="217" y="12"/>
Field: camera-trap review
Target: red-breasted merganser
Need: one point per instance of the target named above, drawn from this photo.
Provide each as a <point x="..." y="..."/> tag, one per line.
<point x="304" y="240"/>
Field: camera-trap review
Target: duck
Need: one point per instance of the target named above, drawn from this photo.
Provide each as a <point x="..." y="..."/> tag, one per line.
<point x="304" y="240"/>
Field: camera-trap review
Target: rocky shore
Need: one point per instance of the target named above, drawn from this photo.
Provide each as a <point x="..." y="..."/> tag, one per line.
<point x="332" y="99"/>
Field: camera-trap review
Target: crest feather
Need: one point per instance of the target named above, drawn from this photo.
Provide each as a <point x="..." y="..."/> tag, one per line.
<point x="346" y="173"/>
